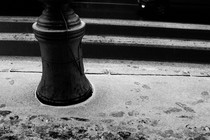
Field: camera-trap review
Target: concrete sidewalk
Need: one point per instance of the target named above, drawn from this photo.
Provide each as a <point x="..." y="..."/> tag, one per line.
<point x="132" y="100"/>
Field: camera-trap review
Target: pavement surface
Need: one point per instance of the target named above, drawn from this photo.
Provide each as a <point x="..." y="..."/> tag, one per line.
<point x="132" y="100"/>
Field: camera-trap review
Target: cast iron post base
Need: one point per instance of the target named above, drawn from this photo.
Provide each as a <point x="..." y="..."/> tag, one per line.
<point x="59" y="32"/>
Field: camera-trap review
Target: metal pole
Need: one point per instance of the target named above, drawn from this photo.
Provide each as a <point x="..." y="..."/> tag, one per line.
<point x="59" y="32"/>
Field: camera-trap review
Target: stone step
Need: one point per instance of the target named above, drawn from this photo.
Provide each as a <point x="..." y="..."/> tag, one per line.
<point x="117" y="39"/>
<point x="115" y="47"/>
<point x="119" y="27"/>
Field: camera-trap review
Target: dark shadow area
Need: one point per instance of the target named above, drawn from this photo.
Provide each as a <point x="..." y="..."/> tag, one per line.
<point x="111" y="51"/>
<point x="147" y="54"/>
<point x="21" y="8"/>
<point x="119" y="9"/>
<point x="153" y="32"/>
<point x="182" y="13"/>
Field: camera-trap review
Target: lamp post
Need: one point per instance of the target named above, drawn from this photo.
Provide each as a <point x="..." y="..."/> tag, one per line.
<point x="59" y="32"/>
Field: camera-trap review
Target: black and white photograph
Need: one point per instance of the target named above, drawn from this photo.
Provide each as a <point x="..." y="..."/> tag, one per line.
<point x="105" y="70"/>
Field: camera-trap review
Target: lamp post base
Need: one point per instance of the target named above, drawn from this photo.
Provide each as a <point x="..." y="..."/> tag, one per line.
<point x="78" y="100"/>
<point x="59" y="32"/>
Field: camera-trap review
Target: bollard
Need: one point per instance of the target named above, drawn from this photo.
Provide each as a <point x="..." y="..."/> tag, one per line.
<point x="59" y="32"/>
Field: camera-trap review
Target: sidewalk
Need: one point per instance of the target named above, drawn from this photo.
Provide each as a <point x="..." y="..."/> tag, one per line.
<point x="133" y="100"/>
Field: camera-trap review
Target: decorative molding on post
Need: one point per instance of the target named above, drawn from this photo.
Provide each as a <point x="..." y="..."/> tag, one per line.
<point x="59" y="32"/>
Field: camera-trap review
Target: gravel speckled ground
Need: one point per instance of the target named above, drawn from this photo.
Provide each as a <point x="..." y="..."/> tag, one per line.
<point x="38" y="127"/>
